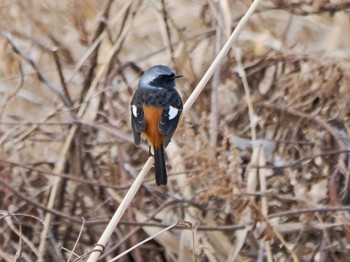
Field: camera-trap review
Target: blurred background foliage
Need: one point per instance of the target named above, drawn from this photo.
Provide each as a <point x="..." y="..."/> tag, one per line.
<point x="73" y="64"/>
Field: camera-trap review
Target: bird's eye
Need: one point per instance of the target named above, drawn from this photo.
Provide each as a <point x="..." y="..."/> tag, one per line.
<point x="164" y="77"/>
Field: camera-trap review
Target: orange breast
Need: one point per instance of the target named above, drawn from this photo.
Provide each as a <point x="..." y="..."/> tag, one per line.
<point x="151" y="133"/>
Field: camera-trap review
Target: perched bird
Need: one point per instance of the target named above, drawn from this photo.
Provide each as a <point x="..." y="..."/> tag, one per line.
<point x="155" y="112"/>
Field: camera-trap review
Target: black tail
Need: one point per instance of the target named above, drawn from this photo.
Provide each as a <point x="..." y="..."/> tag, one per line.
<point x="159" y="160"/>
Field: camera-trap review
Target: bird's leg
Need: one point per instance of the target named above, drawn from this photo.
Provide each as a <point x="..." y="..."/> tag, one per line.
<point x="150" y="151"/>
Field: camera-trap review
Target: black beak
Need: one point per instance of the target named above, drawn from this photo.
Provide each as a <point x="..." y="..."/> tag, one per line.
<point x="178" y="76"/>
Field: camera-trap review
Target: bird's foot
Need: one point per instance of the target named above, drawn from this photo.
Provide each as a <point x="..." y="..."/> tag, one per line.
<point x="150" y="151"/>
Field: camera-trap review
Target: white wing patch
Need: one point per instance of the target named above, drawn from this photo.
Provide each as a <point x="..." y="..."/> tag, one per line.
<point x="134" y="110"/>
<point x="173" y="112"/>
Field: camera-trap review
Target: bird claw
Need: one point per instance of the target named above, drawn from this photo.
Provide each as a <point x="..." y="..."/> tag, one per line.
<point x="150" y="151"/>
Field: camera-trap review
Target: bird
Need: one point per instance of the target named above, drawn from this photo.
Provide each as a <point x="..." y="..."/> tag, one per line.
<point x="155" y="109"/>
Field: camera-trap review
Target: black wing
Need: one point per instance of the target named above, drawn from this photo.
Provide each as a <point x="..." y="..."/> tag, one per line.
<point x="168" y="123"/>
<point x="138" y="123"/>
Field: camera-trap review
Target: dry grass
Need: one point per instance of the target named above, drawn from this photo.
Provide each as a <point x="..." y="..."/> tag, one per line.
<point x="258" y="166"/>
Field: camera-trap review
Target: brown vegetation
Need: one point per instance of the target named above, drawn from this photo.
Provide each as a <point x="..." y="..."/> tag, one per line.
<point x="258" y="168"/>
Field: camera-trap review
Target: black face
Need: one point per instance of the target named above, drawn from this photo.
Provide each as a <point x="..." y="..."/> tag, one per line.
<point x="164" y="81"/>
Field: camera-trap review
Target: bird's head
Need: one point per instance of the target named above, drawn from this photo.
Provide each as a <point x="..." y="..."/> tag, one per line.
<point x="157" y="77"/>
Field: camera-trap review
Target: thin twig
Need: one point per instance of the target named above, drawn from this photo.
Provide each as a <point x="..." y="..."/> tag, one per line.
<point x="260" y="158"/>
<point x="333" y="188"/>
<point x="144" y="241"/>
<point x="20" y="235"/>
<point x="61" y="76"/>
<point x="213" y="118"/>
<point x="98" y="40"/>
<point x="278" y="236"/>
<point x="13" y="94"/>
<point x="219" y="59"/>
<point x="120" y="211"/>
<point x="78" y="238"/>
<point x="165" y="16"/>
<point x="242" y="74"/>
<point x="40" y="75"/>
